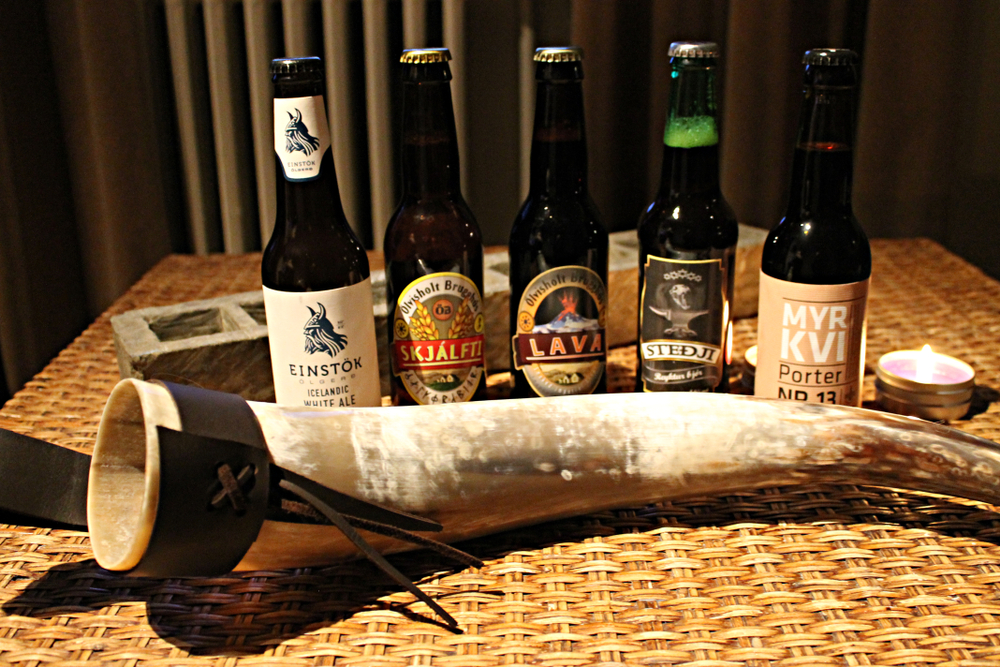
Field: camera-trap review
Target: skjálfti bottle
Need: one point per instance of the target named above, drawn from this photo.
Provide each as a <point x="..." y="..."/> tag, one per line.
<point x="558" y="247"/>
<point x="317" y="288"/>
<point x="816" y="263"/>
<point x="687" y="242"/>
<point x="433" y="251"/>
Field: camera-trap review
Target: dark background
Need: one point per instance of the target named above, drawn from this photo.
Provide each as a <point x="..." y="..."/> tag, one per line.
<point x="92" y="180"/>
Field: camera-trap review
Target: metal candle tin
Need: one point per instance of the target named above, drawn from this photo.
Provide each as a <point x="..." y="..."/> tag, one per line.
<point x="925" y="384"/>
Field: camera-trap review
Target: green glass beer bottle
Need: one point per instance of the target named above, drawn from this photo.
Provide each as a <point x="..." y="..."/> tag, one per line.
<point x="687" y="242"/>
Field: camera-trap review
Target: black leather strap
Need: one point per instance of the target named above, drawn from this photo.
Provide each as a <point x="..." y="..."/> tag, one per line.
<point x="42" y="484"/>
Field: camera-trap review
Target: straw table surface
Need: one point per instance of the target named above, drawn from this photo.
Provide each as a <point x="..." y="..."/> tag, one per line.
<point x="796" y="576"/>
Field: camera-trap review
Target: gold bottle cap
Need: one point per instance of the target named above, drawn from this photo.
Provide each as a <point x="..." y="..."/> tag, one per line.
<point x="559" y="54"/>
<point x="425" y="56"/>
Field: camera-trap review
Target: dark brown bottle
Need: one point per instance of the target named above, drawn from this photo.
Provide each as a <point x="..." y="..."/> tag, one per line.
<point x="816" y="263"/>
<point x="687" y="242"/>
<point x="433" y="251"/>
<point x="317" y="289"/>
<point x="558" y="247"/>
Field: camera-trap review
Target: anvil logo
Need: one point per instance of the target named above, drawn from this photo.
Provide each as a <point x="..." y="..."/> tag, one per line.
<point x="320" y="334"/>
<point x="297" y="137"/>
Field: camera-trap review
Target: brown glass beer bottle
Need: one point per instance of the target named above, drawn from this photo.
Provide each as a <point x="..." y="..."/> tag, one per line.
<point x="558" y="247"/>
<point x="817" y="264"/>
<point x="433" y="251"/>
<point x="687" y="242"/>
<point x="317" y="289"/>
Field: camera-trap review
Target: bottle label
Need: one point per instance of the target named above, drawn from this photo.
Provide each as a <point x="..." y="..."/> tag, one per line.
<point x="811" y="341"/>
<point x="560" y="339"/>
<point x="683" y="324"/>
<point x="438" y="349"/>
<point x="301" y="135"/>
<point x="323" y="349"/>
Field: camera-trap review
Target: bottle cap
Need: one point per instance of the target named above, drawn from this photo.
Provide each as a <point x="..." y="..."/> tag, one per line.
<point x="830" y="57"/>
<point x="296" y="65"/>
<point x="694" y="50"/>
<point x="559" y="54"/>
<point x="425" y="56"/>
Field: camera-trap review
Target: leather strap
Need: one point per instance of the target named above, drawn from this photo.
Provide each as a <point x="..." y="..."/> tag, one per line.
<point x="42" y="484"/>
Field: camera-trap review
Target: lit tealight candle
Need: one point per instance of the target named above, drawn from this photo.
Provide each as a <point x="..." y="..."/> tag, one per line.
<point x="924" y="383"/>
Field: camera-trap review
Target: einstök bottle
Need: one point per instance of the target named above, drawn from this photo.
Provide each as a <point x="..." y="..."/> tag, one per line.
<point x="687" y="242"/>
<point x="558" y="247"/>
<point x="317" y="289"/>
<point x="816" y="263"/>
<point x="433" y="251"/>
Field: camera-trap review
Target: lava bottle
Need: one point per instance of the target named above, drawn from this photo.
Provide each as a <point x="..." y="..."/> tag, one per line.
<point x="433" y="251"/>
<point x="687" y="242"/>
<point x="558" y="247"/>
<point x="317" y="288"/>
<point x="816" y="263"/>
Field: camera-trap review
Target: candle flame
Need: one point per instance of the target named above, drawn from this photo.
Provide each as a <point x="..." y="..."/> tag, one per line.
<point x="925" y="365"/>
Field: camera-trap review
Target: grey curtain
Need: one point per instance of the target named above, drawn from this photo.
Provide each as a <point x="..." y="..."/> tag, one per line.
<point x="91" y="193"/>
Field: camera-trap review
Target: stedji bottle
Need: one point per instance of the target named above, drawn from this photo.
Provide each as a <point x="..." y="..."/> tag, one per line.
<point x="433" y="251"/>
<point x="317" y="288"/>
<point x="816" y="264"/>
<point x="558" y="247"/>
<point x="687" y="242"/>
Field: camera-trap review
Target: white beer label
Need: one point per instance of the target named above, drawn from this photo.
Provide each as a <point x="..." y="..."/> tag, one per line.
<point x="323" y="350"/>
<point x="811" y="341"/>
<point x="301" y="135"/>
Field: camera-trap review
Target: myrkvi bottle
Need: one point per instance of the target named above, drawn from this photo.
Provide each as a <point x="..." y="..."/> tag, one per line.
<point x="687" y="241"/>
<point x="317" y="289"/>
<point x="558" y="247"/>
<point x="816" y="262"/>
<point x="433" y="251"/>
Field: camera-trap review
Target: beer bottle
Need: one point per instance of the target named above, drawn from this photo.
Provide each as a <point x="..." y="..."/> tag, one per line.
<point x="317" y="289"/>
<point x="687" y="241"/>
<point x="816" y="263"/>
<point x="433" y="251"/>
<point x="558" y="247"/>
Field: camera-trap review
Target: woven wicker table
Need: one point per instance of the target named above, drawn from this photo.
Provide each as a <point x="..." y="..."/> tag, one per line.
<point x="831" y="575"/>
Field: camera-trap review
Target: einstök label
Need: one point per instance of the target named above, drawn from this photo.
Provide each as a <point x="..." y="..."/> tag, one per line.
<point x="323" y="349"/>
<point x="682" y="324"/>
<point x="301" y="135"/>
<point x="438" y="346"/>
<point x="811" y="341"/>
<point x="560" y="338"/>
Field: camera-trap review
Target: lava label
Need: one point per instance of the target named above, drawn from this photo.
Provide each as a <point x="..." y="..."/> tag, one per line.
<point x="560" y="343"/>
<point x="811" y="341"/>
<point x="682" y="325"/>
<point x="439" y="346"/>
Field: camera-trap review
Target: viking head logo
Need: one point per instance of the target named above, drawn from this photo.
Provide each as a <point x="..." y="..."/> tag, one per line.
<point x="297" y="137"/>
<point x="320" y="334"/>
<point x="679" y="293"/>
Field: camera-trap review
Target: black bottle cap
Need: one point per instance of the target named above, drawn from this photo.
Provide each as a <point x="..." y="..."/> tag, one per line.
<point x="303" y="65"/>
<point x="830" y="57"/>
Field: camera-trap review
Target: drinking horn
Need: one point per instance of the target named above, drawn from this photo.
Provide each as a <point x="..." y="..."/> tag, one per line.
<point x="157" y="501"/>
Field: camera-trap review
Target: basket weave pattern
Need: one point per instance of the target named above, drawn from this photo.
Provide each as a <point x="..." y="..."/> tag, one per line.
<point x="789" y="577"/>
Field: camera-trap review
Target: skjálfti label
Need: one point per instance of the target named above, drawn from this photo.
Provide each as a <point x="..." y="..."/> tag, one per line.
<point x="301" y="135"/>
<point x="682" y="326"/>
<point x="560" y="338"/>
<point x="811" y="341"/>
<point x="439" y="343"/>
<point x="323" y="349"/>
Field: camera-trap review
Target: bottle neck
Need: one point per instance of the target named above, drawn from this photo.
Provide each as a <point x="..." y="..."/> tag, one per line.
<point x="691" y="135"/>
<point x="822" y="170"/>
<point x="430" y="143"/>
<point x="559" y="144"/>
